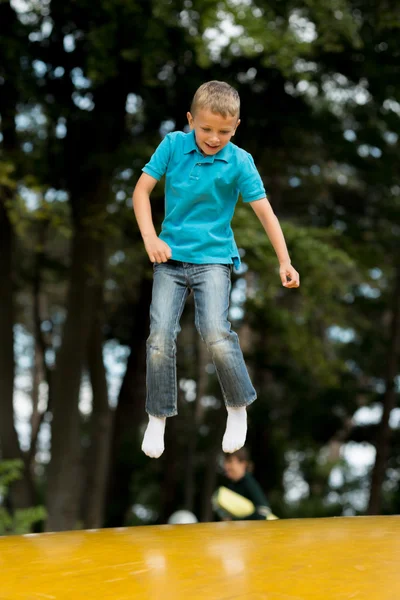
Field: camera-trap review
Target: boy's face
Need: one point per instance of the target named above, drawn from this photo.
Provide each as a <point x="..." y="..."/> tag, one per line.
<point x="213" y="131"/>
<point x="234" y="468"/>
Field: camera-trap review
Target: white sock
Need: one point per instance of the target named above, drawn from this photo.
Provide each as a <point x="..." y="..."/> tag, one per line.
<point x="236" y="429"/>
<point x="153" y="441"/>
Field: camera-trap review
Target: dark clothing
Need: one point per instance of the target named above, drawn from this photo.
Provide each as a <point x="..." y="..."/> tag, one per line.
<point x="250" y="489"/>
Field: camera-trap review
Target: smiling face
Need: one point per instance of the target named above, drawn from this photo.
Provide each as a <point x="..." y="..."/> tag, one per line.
<point x="213" y="131"/>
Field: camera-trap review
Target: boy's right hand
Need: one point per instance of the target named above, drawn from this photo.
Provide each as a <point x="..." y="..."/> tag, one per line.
<point x="157" y="250"/>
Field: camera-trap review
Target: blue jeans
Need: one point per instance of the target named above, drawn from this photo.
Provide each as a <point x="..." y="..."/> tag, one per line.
<point x="211" y="285"/>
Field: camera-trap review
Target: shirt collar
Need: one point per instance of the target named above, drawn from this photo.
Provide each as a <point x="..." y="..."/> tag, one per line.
<point x="191" y="146"/>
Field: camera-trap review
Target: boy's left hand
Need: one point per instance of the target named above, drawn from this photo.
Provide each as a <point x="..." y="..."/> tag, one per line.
<point x="289" y="276"/>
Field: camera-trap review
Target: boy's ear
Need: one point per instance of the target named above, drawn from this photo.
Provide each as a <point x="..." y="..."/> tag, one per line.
<point x="237" y="125"/>
<point x="190" y="119"/>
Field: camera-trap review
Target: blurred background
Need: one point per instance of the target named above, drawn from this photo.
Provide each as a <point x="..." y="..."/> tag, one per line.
<point x="87" y="90"/>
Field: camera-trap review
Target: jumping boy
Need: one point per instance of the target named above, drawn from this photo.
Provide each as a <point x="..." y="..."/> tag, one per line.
<point x="195" y="251"/>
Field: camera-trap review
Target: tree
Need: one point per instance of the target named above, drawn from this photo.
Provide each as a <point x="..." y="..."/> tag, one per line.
<point x="13" y="49"/>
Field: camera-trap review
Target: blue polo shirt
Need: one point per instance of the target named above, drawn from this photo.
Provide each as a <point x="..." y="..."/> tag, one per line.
<point x="201" y="193"/>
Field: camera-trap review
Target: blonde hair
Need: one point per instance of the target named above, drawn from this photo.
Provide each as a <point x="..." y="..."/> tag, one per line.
<point x="218" y="97"/>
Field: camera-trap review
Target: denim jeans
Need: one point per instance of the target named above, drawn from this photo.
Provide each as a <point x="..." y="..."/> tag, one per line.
<point x="211" y="285"/>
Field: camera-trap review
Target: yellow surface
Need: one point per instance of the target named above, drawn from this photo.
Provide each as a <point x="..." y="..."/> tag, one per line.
<point x="325" y="559"/>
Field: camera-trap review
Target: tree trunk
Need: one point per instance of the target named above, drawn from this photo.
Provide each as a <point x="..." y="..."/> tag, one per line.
<point x="389" y="403"/>
<point x="101" y="423"/>
<point x="41" y="370"/>
<point x="202" y="359"/>
<point x="168" y="499"/>
<point x="21" y="494"/>
<point x="37" y="378"/>
<point x="65" y="466"/>
<point x="130" y="413"/>
<point x="210" y="475"/>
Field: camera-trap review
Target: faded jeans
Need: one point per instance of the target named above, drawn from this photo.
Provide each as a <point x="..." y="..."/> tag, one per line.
<point x="211" y="285"/>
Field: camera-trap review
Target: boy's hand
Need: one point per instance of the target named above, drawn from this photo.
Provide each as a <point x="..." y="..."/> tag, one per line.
<point x="157" y="250"/>
<point x="289" y="276"/>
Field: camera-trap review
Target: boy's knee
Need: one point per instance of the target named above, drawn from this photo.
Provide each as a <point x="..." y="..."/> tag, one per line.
<point x="215" y="334"/>
<point x="161" y="339"/>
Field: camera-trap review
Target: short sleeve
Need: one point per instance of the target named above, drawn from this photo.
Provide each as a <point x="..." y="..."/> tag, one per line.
<point x="250" y="183"/>
<point x="158" y="163"/>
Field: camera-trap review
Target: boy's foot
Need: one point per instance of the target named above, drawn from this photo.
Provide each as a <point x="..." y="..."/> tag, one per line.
<point x="153" y="441"/>
<point x="236" y="429"/>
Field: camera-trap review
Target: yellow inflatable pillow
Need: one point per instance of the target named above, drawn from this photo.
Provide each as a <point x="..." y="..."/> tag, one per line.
<point x="227" y="502"/>
<point x="232" y="503"/>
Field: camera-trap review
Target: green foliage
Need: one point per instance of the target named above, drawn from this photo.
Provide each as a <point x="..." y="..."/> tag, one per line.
<point x="6" y="175"/>
<point x="296" y="319"/>
<point x="20" y="521"/>
<point x="279" y="34"/>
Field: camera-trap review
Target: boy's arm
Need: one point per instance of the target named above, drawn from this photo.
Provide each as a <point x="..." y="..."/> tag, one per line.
<point x="251" y="490"/>
<point x="157" y="250"/>
<point x="270" y="222"/>
<point x="255" y="492"/>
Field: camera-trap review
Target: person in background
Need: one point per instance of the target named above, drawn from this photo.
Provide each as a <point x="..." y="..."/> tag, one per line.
<point x="241" y="481"/>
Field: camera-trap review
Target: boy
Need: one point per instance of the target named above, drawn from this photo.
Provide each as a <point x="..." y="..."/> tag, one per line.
<point x="242" y="482"/>
<point x="195" y="252"/>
